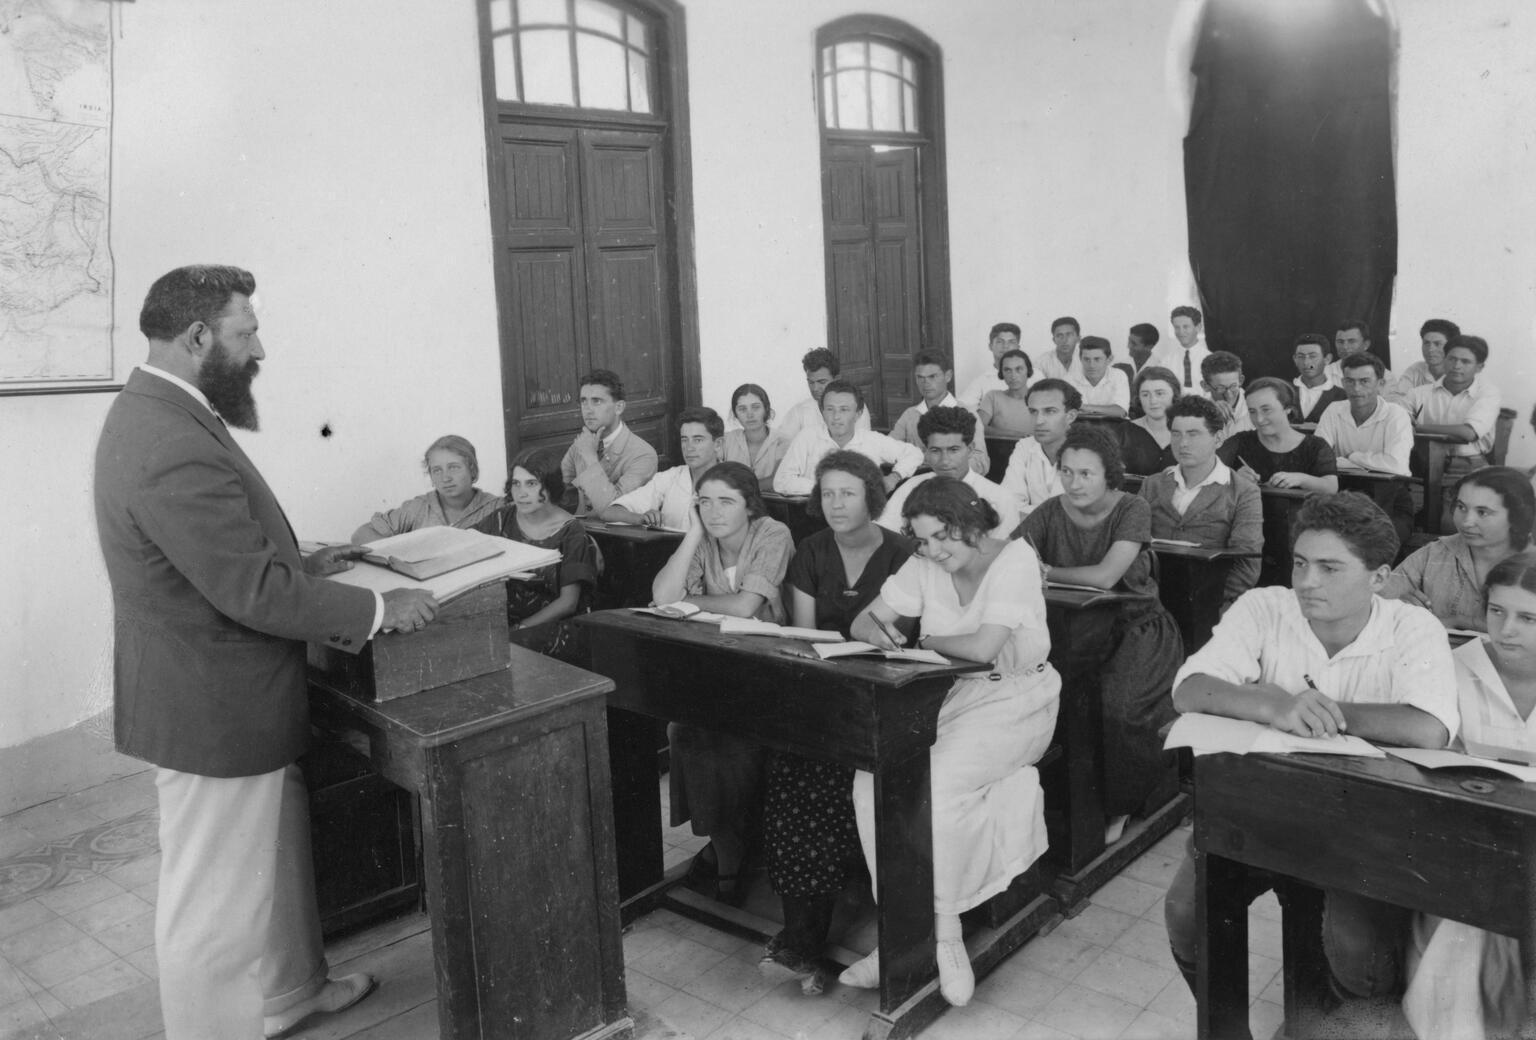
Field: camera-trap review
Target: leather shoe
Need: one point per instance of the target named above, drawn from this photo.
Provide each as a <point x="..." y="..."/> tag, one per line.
<point x="336" y="995"/>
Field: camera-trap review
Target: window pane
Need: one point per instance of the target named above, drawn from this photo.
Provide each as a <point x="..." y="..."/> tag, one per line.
<point x="637" y="34"/>
<point x="828" y="59"/>
<point x="593" y="14"/>
<point x="506" y="67"/>
<point x="911" y="120"/>
<point x="639" y="83"/>
<point x="852" y="100"/>
<point x="883" y="57"/>
<point x="501" y="15"/>
<point x="851" y="55"/>
<point x="601" y="66"/>
<point x="885" y="98"/>
<point x="908" y="72"/>
<point x="547" y="67"/>
<point x="828" y="103"/>
<point x="541" y="12"/>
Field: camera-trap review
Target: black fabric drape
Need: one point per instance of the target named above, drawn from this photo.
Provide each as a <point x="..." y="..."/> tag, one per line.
<point x="1288" y="176"/>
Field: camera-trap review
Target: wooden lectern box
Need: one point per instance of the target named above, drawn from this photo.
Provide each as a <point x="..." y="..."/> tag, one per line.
<point x="468" y="638"/>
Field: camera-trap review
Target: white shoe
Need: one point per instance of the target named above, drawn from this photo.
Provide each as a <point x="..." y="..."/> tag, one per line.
<point x="863" y="973"/>
<point x="1114" y="828"/>
<point x="336" y="995"/>
<point x="956" y="981"/>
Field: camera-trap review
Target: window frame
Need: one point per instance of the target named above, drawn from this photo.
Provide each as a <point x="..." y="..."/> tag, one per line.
<point x="659" y="49"/>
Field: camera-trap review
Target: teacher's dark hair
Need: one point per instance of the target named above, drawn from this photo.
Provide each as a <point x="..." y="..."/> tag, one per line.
<point x="855" y="465"/>
<point x="964" y="514"/>
<point x="740" y="479"/>
<point x="191" y="294"/>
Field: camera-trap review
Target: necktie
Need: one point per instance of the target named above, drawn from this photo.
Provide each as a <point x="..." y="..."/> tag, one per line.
<point x="1187" y="383"/>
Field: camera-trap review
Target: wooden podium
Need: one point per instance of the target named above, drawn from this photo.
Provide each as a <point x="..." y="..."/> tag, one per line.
<point x="517" y="843"/>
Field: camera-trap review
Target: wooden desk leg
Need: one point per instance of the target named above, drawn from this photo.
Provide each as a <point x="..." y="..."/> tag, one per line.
<point x="1434" y="481"/>
<point x="636" y="807"/>
<point x="1221" y="914"/>
<point x="1079" y="728"/>
<point x="904" y="885"/>
<point x="445" y="864"/>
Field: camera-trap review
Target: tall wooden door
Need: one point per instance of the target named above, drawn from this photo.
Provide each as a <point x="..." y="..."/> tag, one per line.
<point x="587" y="276"/>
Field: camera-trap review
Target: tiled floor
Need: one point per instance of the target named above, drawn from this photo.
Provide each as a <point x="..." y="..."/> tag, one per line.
<point x="77" y="888"/>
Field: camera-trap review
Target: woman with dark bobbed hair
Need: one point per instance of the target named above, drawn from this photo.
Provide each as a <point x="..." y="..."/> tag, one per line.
<point x="979" y="598"/>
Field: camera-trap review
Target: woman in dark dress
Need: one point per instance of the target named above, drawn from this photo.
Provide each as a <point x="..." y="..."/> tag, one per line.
<point x="813" y="842"/>
<point x="1095" y="534"/>
<point x="531" y="515"/>
<point x="1144" y="446"/>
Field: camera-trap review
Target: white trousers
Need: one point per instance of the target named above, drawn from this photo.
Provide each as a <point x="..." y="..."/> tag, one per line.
<point x="237" y="929"/>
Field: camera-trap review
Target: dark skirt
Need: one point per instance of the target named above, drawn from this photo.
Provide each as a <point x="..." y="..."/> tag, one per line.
<point x="809" y="827"/>
<point x="1143" y="653"/>
<point x="716" y="779"/>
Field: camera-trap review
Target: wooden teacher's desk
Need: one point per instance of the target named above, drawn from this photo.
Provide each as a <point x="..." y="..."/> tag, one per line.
<point x="875" y="716"/>
<point x="1435" y="842"/>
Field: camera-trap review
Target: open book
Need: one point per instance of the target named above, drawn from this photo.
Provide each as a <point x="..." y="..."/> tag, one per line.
<point x="507" y="560"/>
<point x="1212" y="734"/>
<point x="739" y="626"/>
<point x="854" y="648"/>
<point x="682" y="610"/>
<point x="429" y="551"/>
<point x="1440" y="758"/>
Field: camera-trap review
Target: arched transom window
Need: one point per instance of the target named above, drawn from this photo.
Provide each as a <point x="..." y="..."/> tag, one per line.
<point x="867" y="84"/>
<point x="580" y="53"/>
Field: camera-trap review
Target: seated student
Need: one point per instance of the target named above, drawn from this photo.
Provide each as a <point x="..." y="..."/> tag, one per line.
<point x="1460" y="405"/>
<point x="1061" y="361"/>
<point x="1369" y="433"/>
<point x="979" y="598"/>
<point x="731" y="561"/>
<point x="945" y="433"/>
<point x="1105" y="389"/>
<point x="1185" y="355"/>
<point x="754" y="444"/>
<point x="821" y="368"/>
<point x="1315" y="389"/>
<point x="1031" y="477"/>
<point x="606" y="459"/>
<point x="808" y="823"/>
<point x="533" y="515"/>
<point x="842" y="406"/>
<point x="1273" y="453"/>
<point x="454" y="501"/>
<point x="1003" y="337"/>
<point x="1005" y="413"/>
<point x="1354" y="337"/>
<point x="667" y="498"/>
<point x="1144" y="441"/>
<point x="931" y="375"/>
<point x="1201" y="500"/>
<point x="1221" y="379"/>
<point x="1463" y="981"/>
<point x="1434" y="336"/>
<point x="1095" y="534"/>
<point x="1139" y="346"/>
<point x="1494" y="512"/>
<point x="1325" y="656"/>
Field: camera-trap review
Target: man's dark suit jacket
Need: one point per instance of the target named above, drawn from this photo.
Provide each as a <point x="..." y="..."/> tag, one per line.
<point x="211" y="604"/>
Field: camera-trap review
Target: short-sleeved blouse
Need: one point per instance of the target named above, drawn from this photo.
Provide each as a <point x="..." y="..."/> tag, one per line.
<point x="817" y="570"/>
<point x="427" y="511"/>
<point x="1061" y="543"/>
<point x="1140" y="451"/>
<point x="759" y="567"/>
<point x="769" y="454"/>
<point x="1313" y="456"/>
<point x="1005" y="414"/>
<point x="577" y="566"/>
<point x="1010" y="594"/>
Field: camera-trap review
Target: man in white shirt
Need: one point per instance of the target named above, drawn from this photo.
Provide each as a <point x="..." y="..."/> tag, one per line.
<point x="821" y="367"/>
<point x="841" y="406"/>
<point x="1221" y="379"/>
<point x="946" y="434"/>
<point x="1185" y="354"/>
<point x="1459" y="405"/>
<point x="1369" y="433"/>
<point x="1105" y="389"/>
<point x="1353" y="336"/>
<point x="1032" y="476"/>
<point x="1315" y="388"/>
<point x="1434" y="336"/>
<point x="667" y="498"/>
<point x="1061" y="361"/>
<point x="1003" y="338"/>
<point x="931" y="375"/>
<point x="1326" y="656"/>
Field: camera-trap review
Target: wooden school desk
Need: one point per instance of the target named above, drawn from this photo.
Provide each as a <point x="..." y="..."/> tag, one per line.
<point x="1191" y="581"/>
<point x="516" y="841"/>
<point x="632" y="556"/>
<point x="1435" y="449"/>
<point x="1382" y="828"/>
<point x="876" y="716"/>
<point x="789" y="510"/>
<point x="1073" y="786"/>
<point x="1280" y="508"/>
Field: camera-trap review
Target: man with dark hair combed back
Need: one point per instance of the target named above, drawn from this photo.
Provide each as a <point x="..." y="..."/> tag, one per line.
<point x="931" y="375"/>
<point x="1003" y="337"/>
<point x="1184" y="354"/>
<point x="1434" y="336"/>
<point x="821" y="367"/>
<point x="946" y="433"/>
<point x="1324" y="657"/>
<point x="667" y="498"/>
<point x="605" y="460"/>
<point x="1031" y="476"/>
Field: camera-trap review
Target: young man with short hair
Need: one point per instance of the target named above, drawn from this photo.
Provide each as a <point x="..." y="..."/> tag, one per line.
<point x="931" y="375"/>
<point x="1326" y="656"/>
<point x="1105" y="389"/>
<point x="947" y="433"/>
<point x="1353" y="336"/>
<point x="606" y="459"/>
<point x="1032" y="476"/>
<point x="821" y="367"/>
<point x="1369" y="433"/>
<point x="841" y="406"/>
<point x="1140" y="344"/>
<point x="1434" y="336"/>
<point x="1184" y="356"/>
<point x="667" y="499"/>
<point x="1061" y="361"/>
<point x="1315" y="389"/>
<point x="1003" y="337"/>
<point x="1459" y="405"/>
<point x="1221" y="379"/>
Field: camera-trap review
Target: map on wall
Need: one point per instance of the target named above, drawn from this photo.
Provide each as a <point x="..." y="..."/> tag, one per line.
<point x="55" y="175"/>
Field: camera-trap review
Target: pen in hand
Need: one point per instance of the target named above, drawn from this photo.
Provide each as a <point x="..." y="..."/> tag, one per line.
<point x="1313" y="686"/>
<point x="889" y="633"/>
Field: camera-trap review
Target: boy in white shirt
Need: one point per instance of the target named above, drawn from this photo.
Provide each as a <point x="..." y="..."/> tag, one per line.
<point x="1061" y="362"/>
<point x="1003" y="338"/>
<point x="821" y="367"/>
<point x="947" y="434"/>
<point x="667" y="498"/>
<point x="842" y="404"/>
<point x="931" y="375"/>
<point x="1105" y="389"/>
<point x="1032" y="476"/>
